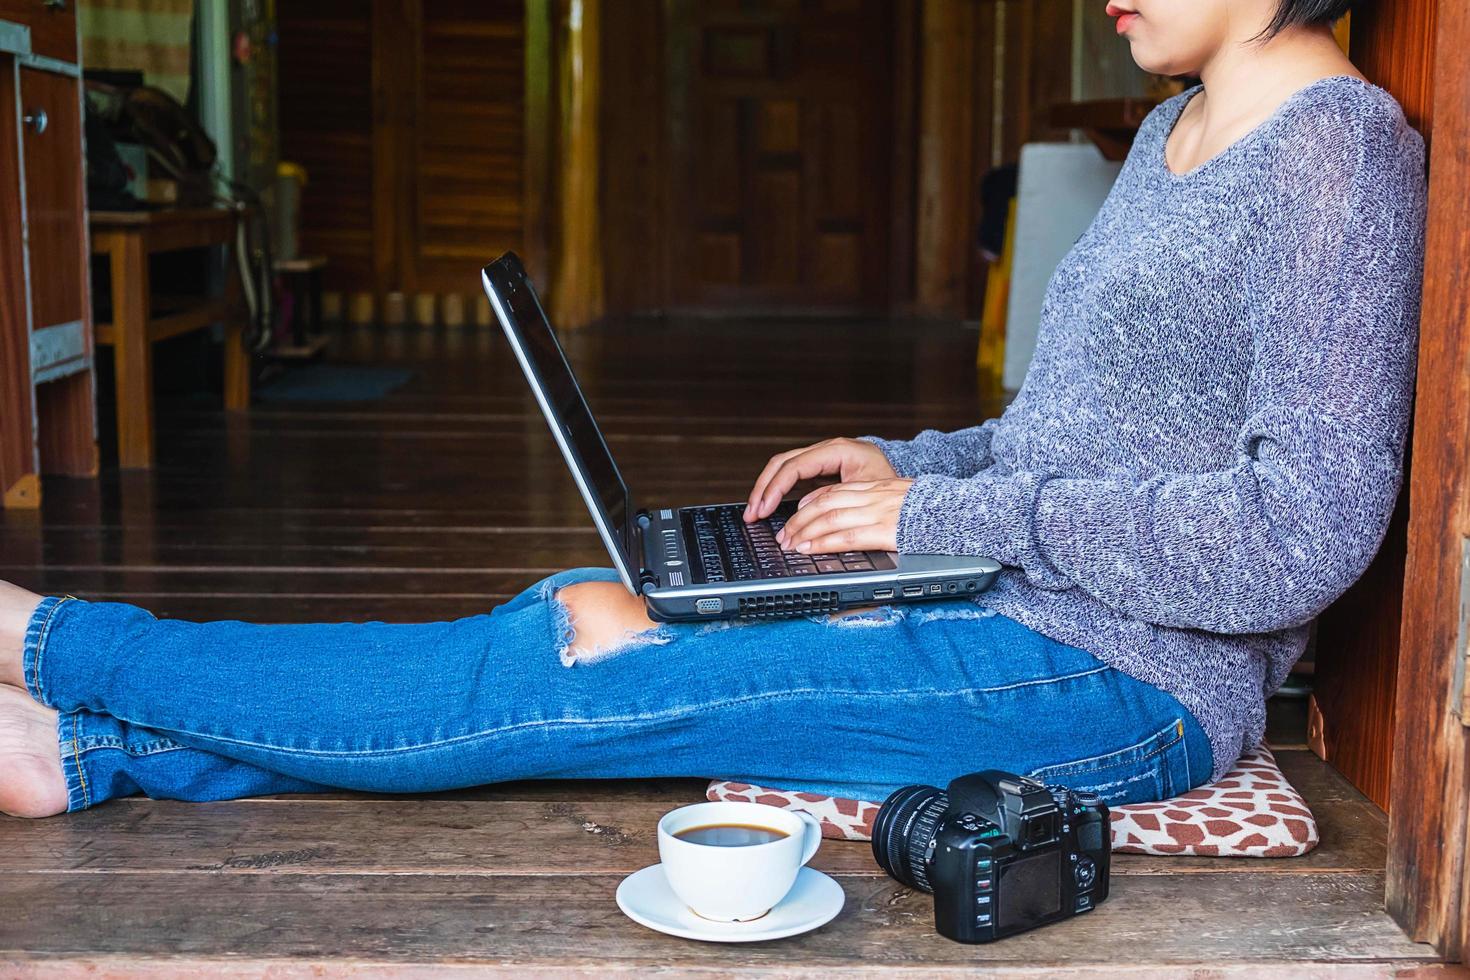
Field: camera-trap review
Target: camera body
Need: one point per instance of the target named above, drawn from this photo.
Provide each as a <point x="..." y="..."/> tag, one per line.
<point x="1001" y="853"/>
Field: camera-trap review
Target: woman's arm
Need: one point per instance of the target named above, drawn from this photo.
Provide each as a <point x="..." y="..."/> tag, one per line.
<point x="961" y="453"/>
<point x="1270" y="541"/>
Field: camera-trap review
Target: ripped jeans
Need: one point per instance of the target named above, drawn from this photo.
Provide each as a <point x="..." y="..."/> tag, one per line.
<point x="853" y="706"/>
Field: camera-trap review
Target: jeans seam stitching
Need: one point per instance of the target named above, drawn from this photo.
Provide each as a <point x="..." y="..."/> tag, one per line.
<point x="76" y="757"/>
<point x="1188" y="771"/>
<point x="132" y="755"/>
<point x="623" y="720"/>
<point x="1063" y="767"/>
<point x="42" y="636"/>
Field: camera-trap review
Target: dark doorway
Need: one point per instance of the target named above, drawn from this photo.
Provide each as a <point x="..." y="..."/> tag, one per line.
<point x="750" y="148"/>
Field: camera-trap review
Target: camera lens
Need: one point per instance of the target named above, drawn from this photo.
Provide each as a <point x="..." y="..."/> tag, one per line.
<point x="903" y="829"/>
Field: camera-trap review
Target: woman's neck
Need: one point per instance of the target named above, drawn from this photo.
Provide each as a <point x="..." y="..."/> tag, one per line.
<point x="1244" y="83"/>
<point x="1249" y="77"/>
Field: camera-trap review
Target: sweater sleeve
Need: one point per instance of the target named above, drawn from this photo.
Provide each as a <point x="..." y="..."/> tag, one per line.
<point x="962" y="453"/>
<point x="1269" y="541"/>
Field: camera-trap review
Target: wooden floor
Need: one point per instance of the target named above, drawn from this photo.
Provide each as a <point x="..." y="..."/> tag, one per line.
<point x="448" y="496"/>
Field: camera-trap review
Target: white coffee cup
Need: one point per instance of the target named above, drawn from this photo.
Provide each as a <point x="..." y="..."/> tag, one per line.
<point x="733" y="884"/>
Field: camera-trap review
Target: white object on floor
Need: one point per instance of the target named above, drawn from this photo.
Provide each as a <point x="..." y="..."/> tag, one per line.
<point x="1061" y="187"/>
<point x="646" y="898"/>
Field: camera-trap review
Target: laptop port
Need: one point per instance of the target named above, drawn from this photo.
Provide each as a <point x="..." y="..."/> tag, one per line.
<point x="969" y="586"/>
<point x="709" y="606"/>
<point x="882" y="593"/>
<point x="909" y="591"/>
<point x="952" y="587"/>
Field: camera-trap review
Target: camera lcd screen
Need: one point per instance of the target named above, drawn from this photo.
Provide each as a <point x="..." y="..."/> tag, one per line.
<point x="1028" y="890"/>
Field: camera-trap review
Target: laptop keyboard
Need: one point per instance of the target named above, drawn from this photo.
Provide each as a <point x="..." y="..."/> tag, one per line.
<point x="734" y="551"/>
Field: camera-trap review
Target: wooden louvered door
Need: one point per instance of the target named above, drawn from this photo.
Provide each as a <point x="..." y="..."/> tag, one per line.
<point x="408" y="116"/>
<point x="780" y="140"/>
<point x="466" y="141"/>
<point x="325" y="59"/>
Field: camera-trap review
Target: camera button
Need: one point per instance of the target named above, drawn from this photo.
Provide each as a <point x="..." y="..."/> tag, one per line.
<point x="983" y="864"/>
<point x="982" y="900"/>
<point x="982" y="920"/>
<point x="982" y="884"/>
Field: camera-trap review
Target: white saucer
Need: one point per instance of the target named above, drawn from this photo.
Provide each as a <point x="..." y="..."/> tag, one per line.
<point x="646" y="898"/>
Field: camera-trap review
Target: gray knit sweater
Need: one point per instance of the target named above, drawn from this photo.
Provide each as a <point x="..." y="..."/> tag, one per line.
<point x="1209" y="442"/>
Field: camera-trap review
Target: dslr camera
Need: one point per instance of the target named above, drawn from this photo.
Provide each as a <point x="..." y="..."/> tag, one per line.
<point x="1001" y="853"/>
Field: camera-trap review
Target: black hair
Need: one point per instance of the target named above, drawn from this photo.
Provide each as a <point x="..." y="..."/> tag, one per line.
<point x="1306" y="13"/>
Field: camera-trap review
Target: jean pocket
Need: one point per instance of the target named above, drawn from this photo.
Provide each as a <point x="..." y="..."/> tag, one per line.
<point x="1153" y="769"/>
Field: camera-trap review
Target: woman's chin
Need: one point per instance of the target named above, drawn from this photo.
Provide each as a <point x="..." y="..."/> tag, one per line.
<point x="1156" y="63"/>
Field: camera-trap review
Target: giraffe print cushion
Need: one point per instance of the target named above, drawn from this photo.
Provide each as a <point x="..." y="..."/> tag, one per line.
<point x="1252" y="812"/>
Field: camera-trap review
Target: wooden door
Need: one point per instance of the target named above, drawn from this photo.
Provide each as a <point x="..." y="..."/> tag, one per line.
<point x="780" y="136"/>
<point x="327" y="114"/>
<point x="409" y="118"/>
<point x="466" y="143"/>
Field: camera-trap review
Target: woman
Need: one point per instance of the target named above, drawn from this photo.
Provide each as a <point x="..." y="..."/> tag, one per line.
<point x="1204" y="455"/>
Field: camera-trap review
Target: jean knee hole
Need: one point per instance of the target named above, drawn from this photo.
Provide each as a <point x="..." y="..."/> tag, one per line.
<point x="866" y="617"/>
<point x="564" y="633"/>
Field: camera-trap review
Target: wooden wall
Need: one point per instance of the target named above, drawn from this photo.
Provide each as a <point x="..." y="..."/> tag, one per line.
<point x="1357" y="658"/>
<point x="1427" y="830"/>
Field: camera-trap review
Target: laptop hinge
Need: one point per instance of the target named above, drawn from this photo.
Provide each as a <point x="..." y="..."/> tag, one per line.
<point x="647" y="581"/>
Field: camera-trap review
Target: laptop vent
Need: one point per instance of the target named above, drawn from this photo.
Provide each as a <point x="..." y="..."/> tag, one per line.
<point x="676" y="580"/>
<point x="783" y="605"/>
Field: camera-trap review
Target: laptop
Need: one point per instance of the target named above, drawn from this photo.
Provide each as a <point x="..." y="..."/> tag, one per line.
<point x="701" y="562"/>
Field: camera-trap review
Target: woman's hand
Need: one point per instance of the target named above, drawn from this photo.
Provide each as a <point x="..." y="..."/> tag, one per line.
<point x="847" y="517"/>
<point x="851" y="459"/>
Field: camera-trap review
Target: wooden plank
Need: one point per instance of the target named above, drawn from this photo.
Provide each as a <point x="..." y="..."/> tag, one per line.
<point x="558" y="922"/>
<point x="491" y="830"/>
<point x="1427" y="841"/>
<point x="66" y="415"/>
<point x="163" y="327"/>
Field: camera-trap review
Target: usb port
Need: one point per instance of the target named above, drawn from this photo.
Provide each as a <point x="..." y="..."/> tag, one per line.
<point x="882" y="593"/>
<point x="910" y="591"/>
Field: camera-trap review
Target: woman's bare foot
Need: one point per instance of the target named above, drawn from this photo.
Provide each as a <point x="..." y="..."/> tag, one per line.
<point x="16" y="607"/>
<point x="31" y="781"/>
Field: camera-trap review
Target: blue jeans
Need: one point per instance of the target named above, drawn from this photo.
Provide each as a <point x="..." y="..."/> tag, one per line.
<point x="854" y="707"/>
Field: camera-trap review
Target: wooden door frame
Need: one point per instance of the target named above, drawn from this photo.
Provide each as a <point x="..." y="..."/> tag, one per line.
<point x="1427" y="828"/>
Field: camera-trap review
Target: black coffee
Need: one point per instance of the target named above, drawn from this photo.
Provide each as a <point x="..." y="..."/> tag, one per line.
<point x="730" y="834"/>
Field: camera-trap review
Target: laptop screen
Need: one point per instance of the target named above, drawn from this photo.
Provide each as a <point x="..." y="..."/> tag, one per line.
<point x="567" y="412"/>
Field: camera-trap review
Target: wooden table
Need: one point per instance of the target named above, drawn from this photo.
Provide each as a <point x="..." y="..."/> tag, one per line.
<point x="128" y="238"/>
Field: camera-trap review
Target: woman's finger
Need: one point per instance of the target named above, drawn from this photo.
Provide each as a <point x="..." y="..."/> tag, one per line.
<point x="817" y="461"/>
<point x="831" y="510"/>
<point x="762" y="481"/>
<point x="831" y="487"/>
<point x="865" y="531"/>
